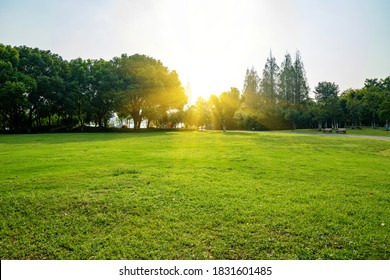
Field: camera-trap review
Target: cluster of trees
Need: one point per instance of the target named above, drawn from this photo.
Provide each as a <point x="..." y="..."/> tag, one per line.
<point x="280" y="100"/>
<point x="38" y="89"/>
<point x="219" y="112"/>
<point x="368" y="106"/>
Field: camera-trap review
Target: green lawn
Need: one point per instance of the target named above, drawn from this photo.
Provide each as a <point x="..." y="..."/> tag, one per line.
<point x="194" y="195"/>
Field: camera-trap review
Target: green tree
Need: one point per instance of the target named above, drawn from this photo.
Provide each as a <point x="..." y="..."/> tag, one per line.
<point x="9" y="59"/>
<point x="78" y="85"/>
<point x="147" y="84"/>
<point x="286" y="81"/>
<point x="166" y="102"/>
<point x="224" y="107"/>
<point x="15" y="88"/>
<point x="251" y="90"/>
<point x="287" y="106"/>
<point x="353" y="100"/>
<point x="14" y="103"/>
<point x="202" y="113"/>
<point x="301" y="87"/>
<point x="372" y="99"/>
<point x="104" y="85"/>
<point x="326" y="94"/>
<point x="248" y="115"/>
<point x="47" y="70"/>
<point x="270" y="80"/>
<point x="384" y="110"/>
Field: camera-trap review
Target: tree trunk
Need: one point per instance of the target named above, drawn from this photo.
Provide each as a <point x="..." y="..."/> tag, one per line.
<point x="29" y="122"/>
<point x="137" y="122"/>
<point x="293" y="126"/>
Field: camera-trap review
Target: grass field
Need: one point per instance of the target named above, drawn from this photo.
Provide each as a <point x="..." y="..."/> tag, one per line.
<point x="194" y="195"/>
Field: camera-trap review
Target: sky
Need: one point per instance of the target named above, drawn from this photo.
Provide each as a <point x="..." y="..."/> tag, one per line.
<point x="211" y="43"/>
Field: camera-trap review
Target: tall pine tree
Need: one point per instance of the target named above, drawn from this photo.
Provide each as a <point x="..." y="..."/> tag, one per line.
<point x="286" y="80"/>
<point x="301" y="88"/>
<point x="270" y="80"/>
<point x="250" y="92"/>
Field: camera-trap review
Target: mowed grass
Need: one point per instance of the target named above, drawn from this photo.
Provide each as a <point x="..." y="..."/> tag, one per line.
<point x="194" y="195"/>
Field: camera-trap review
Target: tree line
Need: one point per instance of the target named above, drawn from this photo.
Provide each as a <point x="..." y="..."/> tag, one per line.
<point x="280" y="99"/>
<point x="39" y="91"/>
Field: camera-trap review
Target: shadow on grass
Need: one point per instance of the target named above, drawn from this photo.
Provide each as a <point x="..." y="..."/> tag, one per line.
<point x="76" y="135"/>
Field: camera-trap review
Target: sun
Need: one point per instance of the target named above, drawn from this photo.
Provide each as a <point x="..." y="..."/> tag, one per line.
<point x="205" y="75"/>
<point x="198" y="90"/>
<point x="203" y="85"/>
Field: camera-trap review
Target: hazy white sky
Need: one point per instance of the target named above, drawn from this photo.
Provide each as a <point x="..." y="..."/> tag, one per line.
<point x="211" y="43"/>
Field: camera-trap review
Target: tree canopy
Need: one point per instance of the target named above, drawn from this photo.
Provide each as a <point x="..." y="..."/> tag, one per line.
<point x="40" y="91"/>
